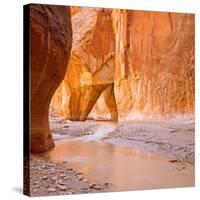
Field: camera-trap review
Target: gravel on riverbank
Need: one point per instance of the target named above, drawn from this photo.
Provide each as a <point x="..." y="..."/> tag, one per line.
<point x="49" y="178"/>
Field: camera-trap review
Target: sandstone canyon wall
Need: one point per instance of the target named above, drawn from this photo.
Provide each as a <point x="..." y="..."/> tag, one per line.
<point x="125" y="63"/>
<point x="154" y="66"/>
<point x="91" y="67"/>
<point x="50" y="45"/>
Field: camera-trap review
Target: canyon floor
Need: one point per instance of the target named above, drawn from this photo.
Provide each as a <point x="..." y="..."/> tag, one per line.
<point x="101" y="156"/>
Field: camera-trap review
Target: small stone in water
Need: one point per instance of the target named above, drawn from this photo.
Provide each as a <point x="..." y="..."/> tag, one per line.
<point x="94" y="186"/>
<point x="78" y="173"/>
<point x="106" y="184"/>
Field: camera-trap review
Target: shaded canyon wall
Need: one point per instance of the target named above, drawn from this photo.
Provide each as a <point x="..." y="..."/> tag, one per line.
<point x="50" y="45"/>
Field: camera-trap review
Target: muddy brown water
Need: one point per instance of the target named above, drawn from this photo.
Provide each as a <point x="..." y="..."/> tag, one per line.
<point x="126" y="168"/>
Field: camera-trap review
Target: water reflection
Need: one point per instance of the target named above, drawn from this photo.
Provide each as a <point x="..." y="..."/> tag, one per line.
<point x="126" y="168"/>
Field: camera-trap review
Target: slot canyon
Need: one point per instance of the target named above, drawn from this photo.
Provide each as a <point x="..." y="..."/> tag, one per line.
<point x="117" y="84"/>
<point x="126" y="64"/>
<point x="123" y="64"/>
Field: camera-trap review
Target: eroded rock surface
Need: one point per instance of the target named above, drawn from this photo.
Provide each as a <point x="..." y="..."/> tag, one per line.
<point x="50" y="42"/>
<point x="149" y="56"/>
<point x="91" y="67"/>
<point x="154" y="65"/>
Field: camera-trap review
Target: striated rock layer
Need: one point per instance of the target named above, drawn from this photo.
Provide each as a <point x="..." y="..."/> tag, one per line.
<point x="154" y="66"/>
<point x="50" y="45"/>
<point x="126" y="63"/>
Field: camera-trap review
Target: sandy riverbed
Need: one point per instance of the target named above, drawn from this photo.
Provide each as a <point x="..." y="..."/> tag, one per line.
<point x="173" y="140"/>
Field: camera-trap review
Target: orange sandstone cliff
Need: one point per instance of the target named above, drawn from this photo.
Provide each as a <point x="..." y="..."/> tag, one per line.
<point x="50" y="45"/>
<point x="91" y="67"/>
<point x="154" y="65"/>
<point x="124" y="63"/>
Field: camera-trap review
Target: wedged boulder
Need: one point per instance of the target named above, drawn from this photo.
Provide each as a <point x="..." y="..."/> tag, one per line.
<point x="50" y="45"/>
<point x="154" y="62"/>
<point x="91" y="66"/>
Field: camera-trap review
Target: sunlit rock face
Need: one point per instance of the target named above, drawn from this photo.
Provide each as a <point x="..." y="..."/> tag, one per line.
<point x="50" y="44"/>
<point x="91" y="67"/>
<point x="126" y="64"/>
<point x="154" y="62"/>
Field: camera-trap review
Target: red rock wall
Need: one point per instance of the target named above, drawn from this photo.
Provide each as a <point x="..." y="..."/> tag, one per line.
<point x="50" y="45"/>
<point x="91" y="67"/>
<point x="149" y="56"/>
<point x="154" y="66"/>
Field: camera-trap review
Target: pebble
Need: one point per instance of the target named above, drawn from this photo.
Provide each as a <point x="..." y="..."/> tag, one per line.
<point x="173" y="161"/>
<point x="44" y="177"/>
<point x="78" y="173"/>
<point x="62" y="175"/>
<point x="37" y="186"/>
<point x="51" y="190"/>
<point x="94" y="186"/>
<point x="80" y="178"/>
<point x="106" y="184"/>
<point x="54" y="178"/>
<point x="61" y="187"/>
<point x="60" y="182"/>
<point x="43" y="167"/>
<point x="66" y="178"/>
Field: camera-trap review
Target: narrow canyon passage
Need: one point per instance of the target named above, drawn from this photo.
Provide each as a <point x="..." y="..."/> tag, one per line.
<point x="122" y="116"/>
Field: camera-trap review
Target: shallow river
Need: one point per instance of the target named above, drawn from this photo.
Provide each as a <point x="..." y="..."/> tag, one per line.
<point x="125" y="167"/>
